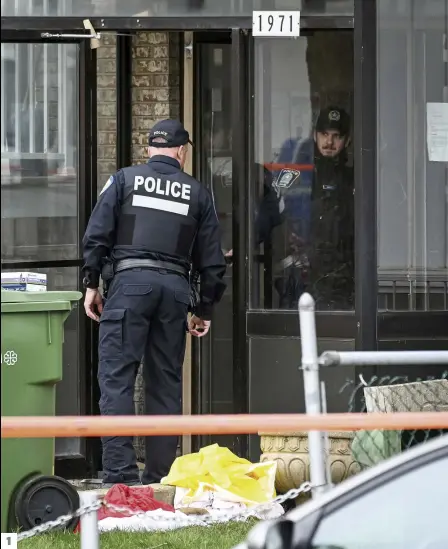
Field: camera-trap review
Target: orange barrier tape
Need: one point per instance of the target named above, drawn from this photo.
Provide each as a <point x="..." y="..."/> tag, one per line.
<point x="276" y="167"/>
<point x="95" y="426"/>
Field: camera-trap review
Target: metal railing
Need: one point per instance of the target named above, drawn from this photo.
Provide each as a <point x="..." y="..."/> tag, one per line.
<point x="381" y="394"/>
<point x="413" y="290"/>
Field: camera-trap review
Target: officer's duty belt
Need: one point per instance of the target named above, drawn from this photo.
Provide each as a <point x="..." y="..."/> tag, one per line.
<point x="126" y="264"/>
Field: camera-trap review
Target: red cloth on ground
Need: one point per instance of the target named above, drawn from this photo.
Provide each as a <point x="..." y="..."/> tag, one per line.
<point x="133" y="497"/>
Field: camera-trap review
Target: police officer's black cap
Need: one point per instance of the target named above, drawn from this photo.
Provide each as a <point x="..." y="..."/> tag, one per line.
<point x="333" y="118"/>
<point x="169" y="134"/>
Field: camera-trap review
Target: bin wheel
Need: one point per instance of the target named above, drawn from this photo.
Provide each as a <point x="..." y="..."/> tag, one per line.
<point x="44" y="498"/>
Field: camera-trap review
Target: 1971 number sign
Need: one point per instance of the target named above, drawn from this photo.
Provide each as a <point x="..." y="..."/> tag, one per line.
<point x="276" y="23"/>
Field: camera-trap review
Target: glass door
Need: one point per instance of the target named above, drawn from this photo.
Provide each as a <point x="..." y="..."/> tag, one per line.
<point x="45" y="182"/>
<point x="301" y="213"/>
<point x="214" y="169"/>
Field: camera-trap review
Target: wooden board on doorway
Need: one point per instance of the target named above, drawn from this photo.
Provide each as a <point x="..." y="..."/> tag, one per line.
<point x="188" y="123"/>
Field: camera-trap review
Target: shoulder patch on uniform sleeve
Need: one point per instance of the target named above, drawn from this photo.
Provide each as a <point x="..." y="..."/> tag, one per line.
<point x="107" y="185"/>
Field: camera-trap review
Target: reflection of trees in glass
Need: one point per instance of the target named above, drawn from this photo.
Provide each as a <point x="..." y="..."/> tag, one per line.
<point x="41" y="110"/>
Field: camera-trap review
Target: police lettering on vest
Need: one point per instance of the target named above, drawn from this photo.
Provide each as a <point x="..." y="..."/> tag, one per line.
<point x="156" y="188"/>
<point x="159" y="212"/>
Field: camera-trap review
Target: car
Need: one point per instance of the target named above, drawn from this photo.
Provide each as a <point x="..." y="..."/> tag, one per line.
<point x="401" y="503"/>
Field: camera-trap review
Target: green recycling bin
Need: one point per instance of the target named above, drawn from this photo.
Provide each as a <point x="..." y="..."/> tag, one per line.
<point x="32" y="334"/>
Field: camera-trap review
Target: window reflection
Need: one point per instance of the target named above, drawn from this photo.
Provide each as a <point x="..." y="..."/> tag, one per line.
<point x="170" y="8"/>
<point x="303" y="178"/>
<point x="39" y="151"/>
<point x="412" y="176"/>
<point x="216" y="132"/>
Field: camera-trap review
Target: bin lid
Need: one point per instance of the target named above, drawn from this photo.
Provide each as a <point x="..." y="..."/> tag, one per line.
<point x="38" y="301"/>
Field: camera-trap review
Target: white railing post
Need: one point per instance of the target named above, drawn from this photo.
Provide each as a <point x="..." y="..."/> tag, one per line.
<point x="90" y="536"/>
<point x="383" y="358"/>
<point x="310" y="367"/>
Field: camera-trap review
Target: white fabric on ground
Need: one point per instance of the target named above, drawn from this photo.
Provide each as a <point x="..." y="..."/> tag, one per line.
<point x="213" y="502"/>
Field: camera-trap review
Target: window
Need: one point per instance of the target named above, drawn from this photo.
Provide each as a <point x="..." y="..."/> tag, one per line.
<point x="302" y="183"/>
<point x="412" y="168"/>
<point x="409" y="511"/>
<point x="39" y="152"/>
<point x="170" y="8"/>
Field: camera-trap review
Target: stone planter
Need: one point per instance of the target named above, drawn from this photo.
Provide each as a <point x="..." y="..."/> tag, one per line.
<point x="417" y="396"/>
<point x="290" y="451"/>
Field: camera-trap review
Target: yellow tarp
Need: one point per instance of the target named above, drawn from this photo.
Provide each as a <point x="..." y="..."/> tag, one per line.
<point x="218" y="469"/>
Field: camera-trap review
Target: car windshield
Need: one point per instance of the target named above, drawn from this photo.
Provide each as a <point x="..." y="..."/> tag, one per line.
<point x="408" y="512"/>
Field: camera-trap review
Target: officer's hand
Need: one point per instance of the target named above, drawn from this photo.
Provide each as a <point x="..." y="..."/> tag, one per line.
<point x="198" y="327"/>
<point x="229" y="257"/>
<point x="93" y="303"/>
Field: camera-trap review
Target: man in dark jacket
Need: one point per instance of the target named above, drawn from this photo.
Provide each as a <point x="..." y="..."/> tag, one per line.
<point x="317" y="209"/>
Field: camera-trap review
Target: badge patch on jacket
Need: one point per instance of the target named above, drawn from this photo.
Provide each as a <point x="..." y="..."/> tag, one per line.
<point x="286" y="178"/>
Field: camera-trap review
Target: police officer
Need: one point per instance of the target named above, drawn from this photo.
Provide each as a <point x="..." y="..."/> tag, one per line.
<point x="317" y="208"/>
<point x="151" y="223"/>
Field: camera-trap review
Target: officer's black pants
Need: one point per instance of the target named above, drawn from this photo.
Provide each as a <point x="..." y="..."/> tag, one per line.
<point x="145" y="315"/>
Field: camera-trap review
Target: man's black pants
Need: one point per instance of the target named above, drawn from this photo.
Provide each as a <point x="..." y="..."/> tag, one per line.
<point x="145" y="315"/>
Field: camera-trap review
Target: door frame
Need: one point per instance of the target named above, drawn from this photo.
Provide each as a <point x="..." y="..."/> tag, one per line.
<point x="262" y="323"/>
<point x="201" y="372"/>
<point x="75" y="465"/>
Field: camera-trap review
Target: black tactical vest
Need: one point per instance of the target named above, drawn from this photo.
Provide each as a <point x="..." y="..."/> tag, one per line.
<point x="159" y="214"/>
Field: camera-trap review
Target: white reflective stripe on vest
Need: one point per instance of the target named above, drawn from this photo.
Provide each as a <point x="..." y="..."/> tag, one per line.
<point x="160" y="204"/>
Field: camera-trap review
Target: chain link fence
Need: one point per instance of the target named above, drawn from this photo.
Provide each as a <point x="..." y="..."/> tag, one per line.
<point x="391" y="394"/>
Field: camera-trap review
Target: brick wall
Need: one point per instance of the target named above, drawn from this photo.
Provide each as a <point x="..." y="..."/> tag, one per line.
<point x="106" y="108"/>
<point x="155" y="93"/>
<point x="155" y="85"/>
